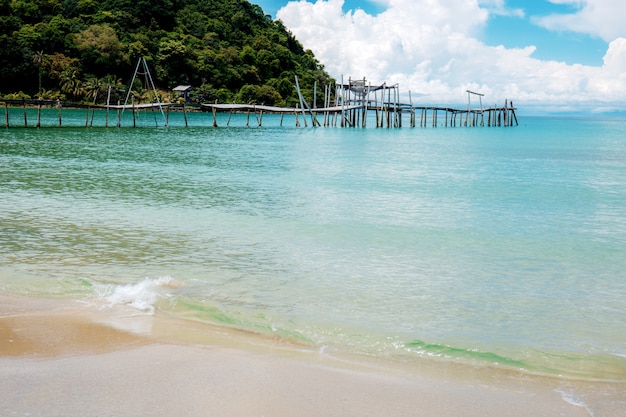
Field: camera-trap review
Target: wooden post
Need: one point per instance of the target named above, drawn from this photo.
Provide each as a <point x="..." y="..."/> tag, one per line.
<point x="513" y="114"/>
<point x="364" y="115"/>
<point x="38" y="115"/>
<point x="6" y="114"/>
<point x="506" y="111"/>
<point x="106" y="123"/>
<point x="352" y="116"/>
<point x="87" y="116"/>
<point x="326" y="99"/>
<point x="133" y="108"/>
<point x="214" y="115"/>
<point x="313" y="112"/>
<point x="387" y="104"/>
<point x="296" y="113"/>
<point x="411" y="111"/>
<point x="25" y="118"/>
<point x="59" y="112"/>
<point x="119" y="115"/>
<point x="185" y="115"/>
<point x="376" y="112"/>
<point x="374" y="107"/>
<point x="167" y="115"/>
<point x="342" y="123"/>
<point x="398" y="108"/>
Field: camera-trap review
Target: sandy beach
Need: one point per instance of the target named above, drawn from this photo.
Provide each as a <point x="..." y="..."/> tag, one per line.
<point x="56" y="360"/>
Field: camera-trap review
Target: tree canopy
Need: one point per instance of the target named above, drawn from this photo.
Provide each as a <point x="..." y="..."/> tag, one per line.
<point x="228" y="50"/>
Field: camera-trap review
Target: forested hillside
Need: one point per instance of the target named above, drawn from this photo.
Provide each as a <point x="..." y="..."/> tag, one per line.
<point x="228" y="50"/>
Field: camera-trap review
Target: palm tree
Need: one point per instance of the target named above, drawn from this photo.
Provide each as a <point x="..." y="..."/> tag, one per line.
<point x="38" y="61"/>
<point x="113" y="85"/>
<point x="71" y="83"/>
<point x="48" y="95"/>
<point x="93" y="87"/>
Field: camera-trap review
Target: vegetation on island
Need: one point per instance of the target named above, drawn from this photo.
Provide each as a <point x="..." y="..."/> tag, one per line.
<point x="228" y="50"/>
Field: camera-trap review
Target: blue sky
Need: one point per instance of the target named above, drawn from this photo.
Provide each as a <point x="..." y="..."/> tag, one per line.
<point x="566" y="52"/>
<point x="272" y="6"/>
<point x="515" y="31"/>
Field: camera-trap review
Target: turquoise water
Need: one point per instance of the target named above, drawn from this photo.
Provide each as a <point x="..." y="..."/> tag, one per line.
<point x="498" y="246"/>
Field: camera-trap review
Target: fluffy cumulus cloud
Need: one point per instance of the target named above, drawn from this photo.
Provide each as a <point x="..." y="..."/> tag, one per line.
<point x="432" y="48"/>
<point x="601" y="18"/>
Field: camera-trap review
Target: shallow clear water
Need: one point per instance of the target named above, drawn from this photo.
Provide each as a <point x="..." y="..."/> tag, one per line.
<point x="490" y="245"/>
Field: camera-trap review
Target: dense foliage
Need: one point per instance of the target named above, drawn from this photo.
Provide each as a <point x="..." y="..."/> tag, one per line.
<point x="228" y="50"/>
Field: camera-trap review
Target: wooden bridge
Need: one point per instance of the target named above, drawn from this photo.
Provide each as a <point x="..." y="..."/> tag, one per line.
<point x="353" y="104"/>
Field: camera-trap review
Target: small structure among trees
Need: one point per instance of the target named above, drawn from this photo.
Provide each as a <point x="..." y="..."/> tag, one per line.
<point x="183" y="92"/>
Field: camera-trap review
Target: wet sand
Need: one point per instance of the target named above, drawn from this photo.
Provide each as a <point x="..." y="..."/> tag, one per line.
<point x="58" y="360"/>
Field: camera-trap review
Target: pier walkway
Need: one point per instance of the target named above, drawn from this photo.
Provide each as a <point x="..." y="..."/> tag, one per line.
<point x="353" y="104"/>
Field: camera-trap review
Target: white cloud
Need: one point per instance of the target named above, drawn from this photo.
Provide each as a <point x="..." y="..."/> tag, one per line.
<point x="498" y="7"/>
<point x="431" y="48"/>
<point x="605" y="19"/>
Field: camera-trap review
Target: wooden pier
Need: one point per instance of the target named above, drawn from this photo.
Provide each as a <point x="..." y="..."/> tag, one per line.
<point x="352" y="104"/>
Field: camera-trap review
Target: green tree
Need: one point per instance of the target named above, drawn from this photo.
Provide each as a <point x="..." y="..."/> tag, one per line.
<point x="38" y="61"/>
<point x="92" y="87"/>
<point x="71" y="83"/>
<point x="175" y="62"/>
<point x="255" y="94"/>
<point x="226" y="44"/>
<point x="101" y="50"/>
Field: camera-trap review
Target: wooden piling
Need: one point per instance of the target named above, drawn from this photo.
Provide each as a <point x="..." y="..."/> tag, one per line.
<point x="106" y="122"/>
<point x="513" y="114"/>
<point x="133" y="109"/>
<point x="93" y="113"/>
<point x="59" y="113"/>
<point x="504" y="114"/>
<point x="296" y="114"/>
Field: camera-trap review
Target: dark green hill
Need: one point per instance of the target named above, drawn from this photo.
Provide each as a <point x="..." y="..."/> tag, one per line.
<point x="228" y="50"/>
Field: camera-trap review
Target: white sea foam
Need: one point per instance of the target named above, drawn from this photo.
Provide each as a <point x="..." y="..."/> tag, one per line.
<point x="570" y="398"/>
<point x="140" y="296"/>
